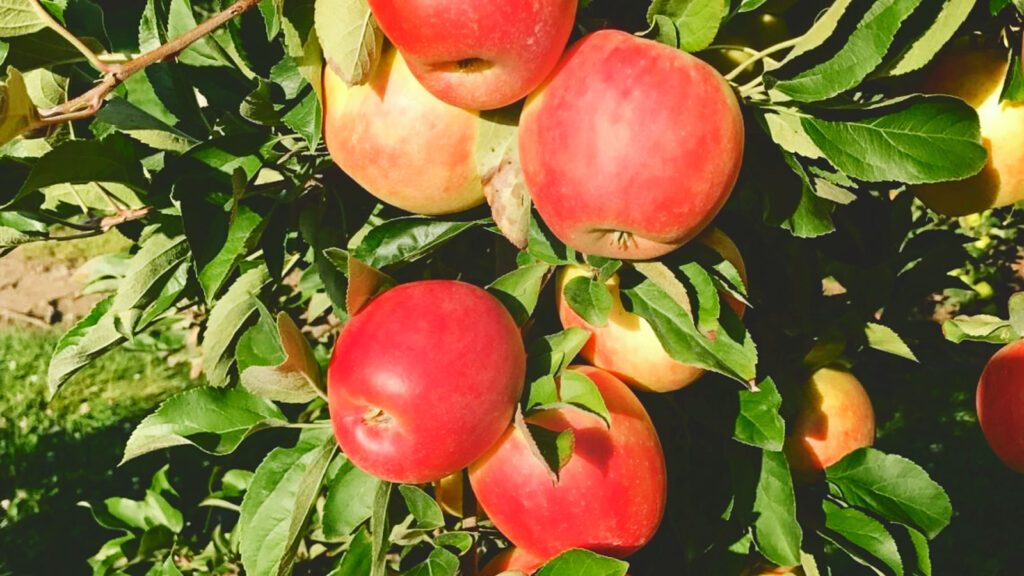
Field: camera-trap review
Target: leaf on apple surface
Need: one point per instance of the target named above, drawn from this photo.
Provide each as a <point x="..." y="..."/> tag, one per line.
<point x="696" y="21"/>
<point x="364" y="283"/>
<point x="944" y="18"/>
<point x="497" y="161"/>
<point x="543" y="245"/>
<point x="276" y="362"/>
<point x="892" y="487"/>
<point x="881" y="337"/>
<point x="579" y="391"/>
<point x="350" y="37"/>
<point x="552" y="354"/>
<point x="577" y="562"/>
<point x="519" y="289"/>
<point x="980" y="328"/>
<point x="213" y="420"/>
<point x="553" y="450"/>
<point x="1013" y="84"/>
<point x="862" y="537"/>
<point x="590" y="299"/>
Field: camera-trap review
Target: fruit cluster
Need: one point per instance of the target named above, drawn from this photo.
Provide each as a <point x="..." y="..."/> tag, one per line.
<point x="629" y="148"/>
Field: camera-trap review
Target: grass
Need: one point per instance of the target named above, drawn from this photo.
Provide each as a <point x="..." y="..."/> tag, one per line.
<point x="77" y="252"/>
<point x="55" y="454"/>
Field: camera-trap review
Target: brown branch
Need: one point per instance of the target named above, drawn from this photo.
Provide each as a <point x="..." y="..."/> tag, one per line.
<point x="89" y="103"/>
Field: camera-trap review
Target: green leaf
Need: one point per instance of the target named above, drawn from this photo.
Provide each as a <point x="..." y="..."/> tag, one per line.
<point x="245" y="226"/>
<point x="258" y="105"/>
<point x="358" y="558"/>
<point x="88" y="339"/>
<point x="229" y="318"/>
<point x="17" y="112"/>
<point x="497" y="161"/>
<point x="702" y="290"/>
<point x="582" y="563"/>
<point x="697" y="21"/>
<point x="379" y="529"/>
<point x="543" y="245"/>
<point x="730" y="352"/>
<point x="554" y="448"/>
<point x="350" y="38"/>
<point x="306" y="118"/>
<point x="141" y="515"/>
<point x="4" y="49"/>
<point x="321" y="226"/>
<point x="552" y="354"/>
<point x="941" y="28"/>
<point x="349" y="501"/>
<point x="279" y="501"/>
<point x="892" y="487"/>
<point x="862" y="537"/>
<point x="213" y="420"/>
<point x="123" y="116"/>
<point x="276" y="362"/>
<point x="85" y="161"/>
<point x="776" y="531"/>
<point x="887" y="340"/>
<point x="300" y="40"/>
<point x="980" y="328"/>
<point x="1013" y="84"/>
<point x="364" y="282"/>
<point x="590" y="299"/>
<point x="423" y="508"/>
<point x="542" y="392"/>
<point x="579" y="391"/>
<point x="440" y="563"/>
<point x="916" y="139"/>
<point x="17" y="18"/>
<point x="18" y="228"/>
<point x="168" y="568"/>
<point x="148" y="273"/>
<point x="461" y="541"/>
<point x="519" y="290"/>
<point x="407" y="239"/>
<point x="922" y="555"/>
<point x="861" y="53"/>
<point x="810" y="215"/>
<point x="758" y="422"/>
<point x="1016" y="306"/>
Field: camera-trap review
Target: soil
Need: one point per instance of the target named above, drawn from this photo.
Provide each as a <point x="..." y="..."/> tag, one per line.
<point x="40" y="291"/>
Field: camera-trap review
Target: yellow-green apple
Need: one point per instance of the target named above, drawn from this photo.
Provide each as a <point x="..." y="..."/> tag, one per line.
<point x="424" y="379"/>
<point x="1000" y="403"/>
<point x="609" y="498"/>
<point x="630" y="147"/>
<point x="400" y="143"/>
<point x="478" y="54"/>
<point x="835" y="418"/>
<point x="976" y="76"/>
<point x="627" y="345"/>
<point x="448" y="493"/>
<point x="512" y="560"/>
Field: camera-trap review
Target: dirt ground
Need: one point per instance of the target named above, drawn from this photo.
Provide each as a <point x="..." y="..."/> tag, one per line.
<point x="40" y="291"/>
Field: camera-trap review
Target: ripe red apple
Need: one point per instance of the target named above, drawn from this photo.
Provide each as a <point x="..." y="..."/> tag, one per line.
<point x="478" y="54"/>
<point x="1000" y="403"/>
<point x="627" y="345"/>
<point x="835" y="418"/>
<point x="610" y="497"/>
<point x="976" y="75"/>
<point x="424" y="379"/>
<point x="400" y="143"/>
<point x="631" y="147"/>
<point x="512" y="560"/>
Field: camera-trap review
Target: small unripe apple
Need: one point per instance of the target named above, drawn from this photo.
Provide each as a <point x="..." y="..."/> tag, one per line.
<point x="609" y="498"/>
<point x="976" y="75"/>
<point x="1000" y="403"/>
<point x="424" y="379"/>
<point x="512" y="560"/>
<point x="835" y="418"/>
<point x="627" y="345"/>
<point x="478" y="54"/>
<point x="400" y="143"/>
<point x="631" y="147"/>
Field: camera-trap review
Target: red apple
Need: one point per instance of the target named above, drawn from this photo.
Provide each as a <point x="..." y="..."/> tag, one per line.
<point x="478" y="54"/>
<point x="512" y="560"/>
<point x="610" y="497"/>
<point x="1000" y="404"/>
<point x="835" y="419"/>
<point x="631" y="147"/>
<point x="627" y="345"/>
<point x="400" y="143"/>
<point x="424" y="379"/>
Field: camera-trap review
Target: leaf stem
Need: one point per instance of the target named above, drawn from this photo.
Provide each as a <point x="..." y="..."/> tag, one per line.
<point x="379" y="529"/>
<point x="56" y="26"/>
<point x="758" y="56"/>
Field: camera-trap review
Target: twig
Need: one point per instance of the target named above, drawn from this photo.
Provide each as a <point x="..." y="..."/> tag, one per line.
<point x="761" y="55"/>
<point x="89" y="103"/>
<point x="56" y="26"/>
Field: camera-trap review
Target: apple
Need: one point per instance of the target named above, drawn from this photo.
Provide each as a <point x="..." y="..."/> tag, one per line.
<point x="609" y="498"/>
<point x="400" y="143"/>
<point x="424" y="379"/>
<point x="631" y="147"/>
<point x="976" y="76"/>
<point x="835" y="418"/>
<point x="512" y="560"/>
<point x="627" y="345"/>
<point x="999" y="401"/>
<point x="478" y="54"/>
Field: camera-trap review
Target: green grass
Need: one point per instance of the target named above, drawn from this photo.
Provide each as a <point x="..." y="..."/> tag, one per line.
<point x="55" y="454"/>
<point x="77" y="252"/>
